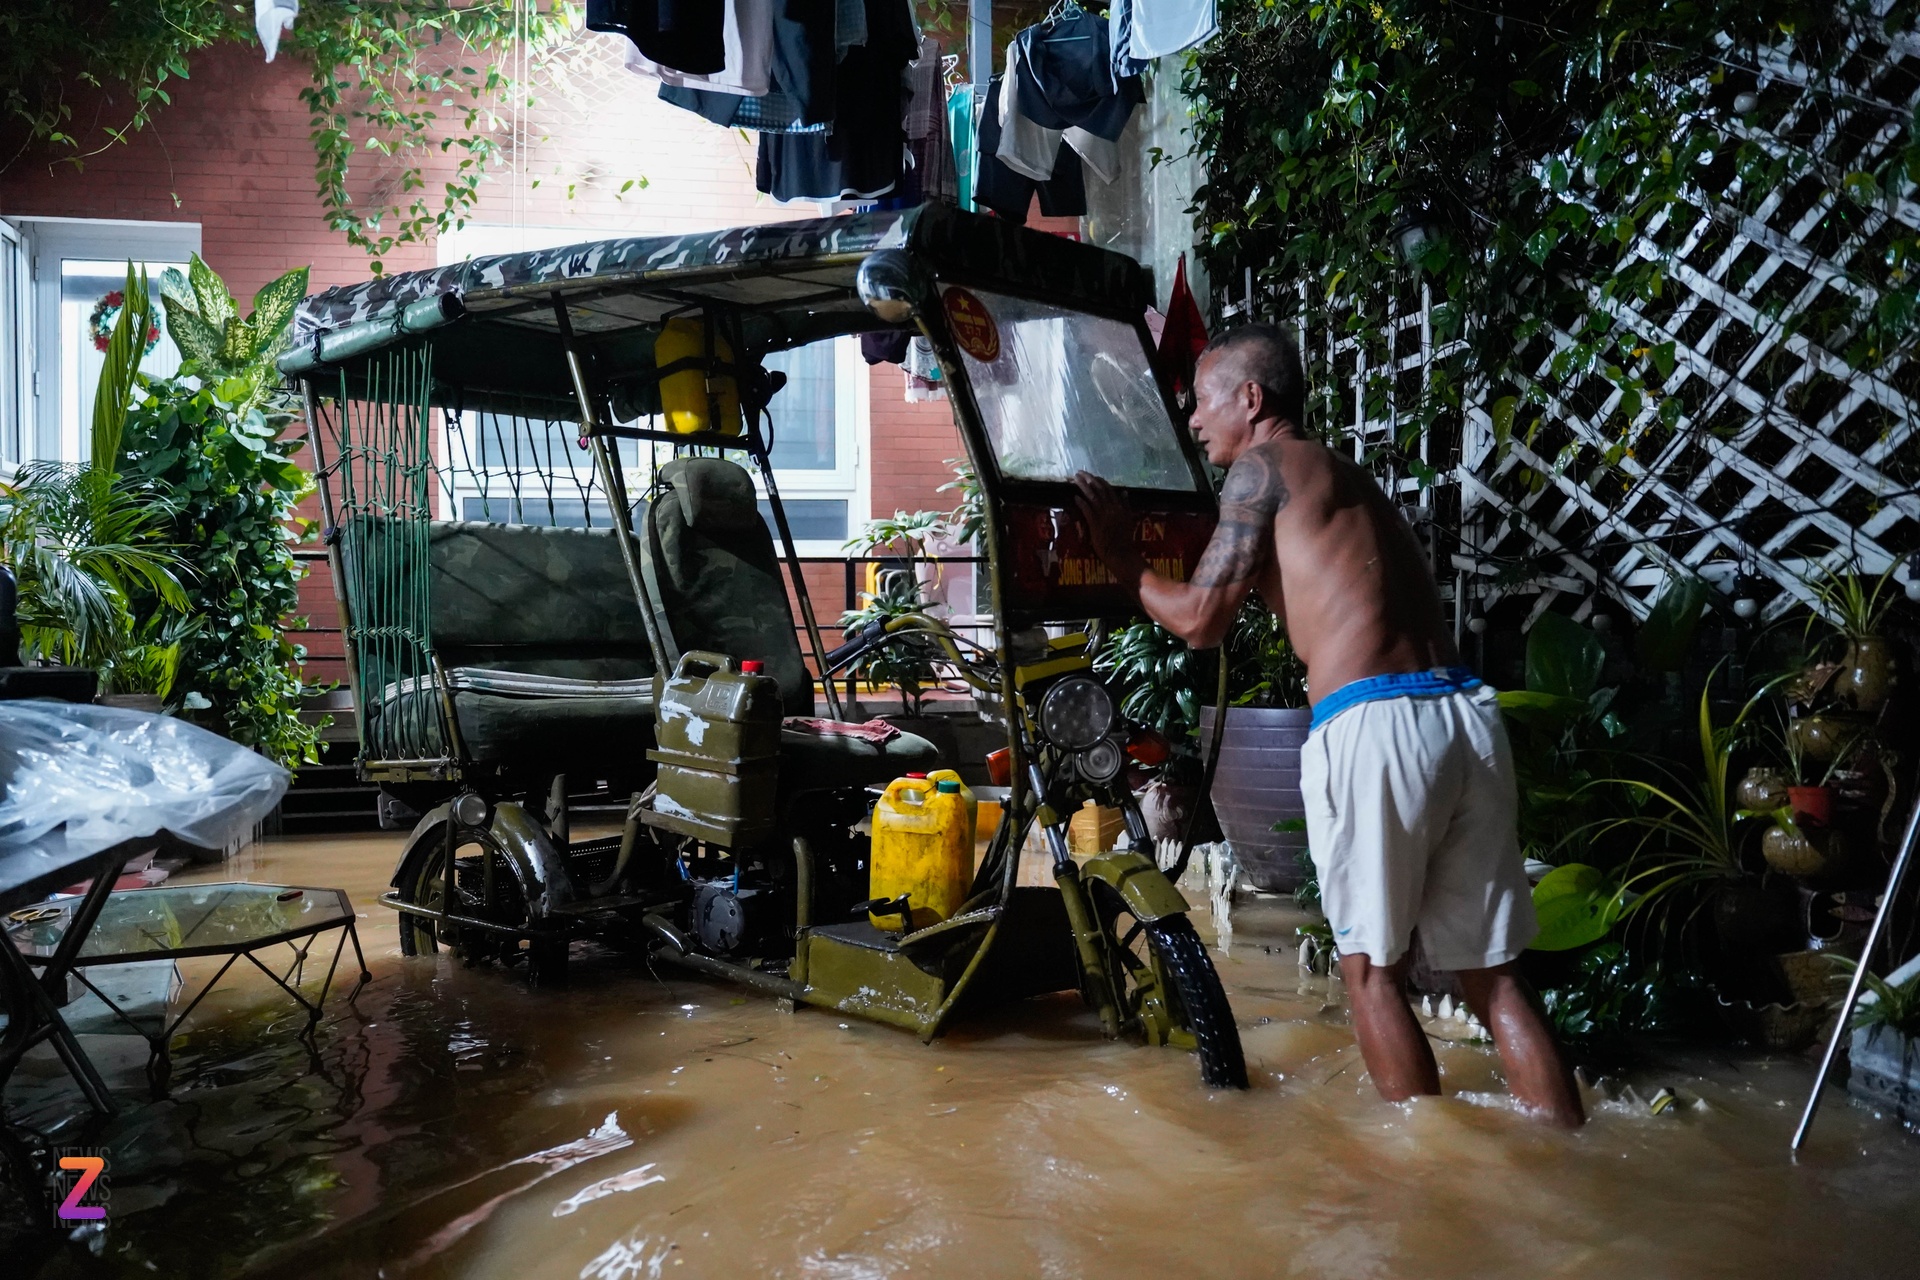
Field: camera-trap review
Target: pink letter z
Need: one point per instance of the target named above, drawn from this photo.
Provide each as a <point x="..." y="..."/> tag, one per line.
<point x="91" y="1168"/>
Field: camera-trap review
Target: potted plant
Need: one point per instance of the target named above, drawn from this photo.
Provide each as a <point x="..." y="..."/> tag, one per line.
<point x="1856" y="607"/>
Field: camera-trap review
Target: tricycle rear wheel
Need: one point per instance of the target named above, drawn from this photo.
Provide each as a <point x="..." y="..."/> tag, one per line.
<point x="1167" y="983"/>
<point x="424" y="884"/>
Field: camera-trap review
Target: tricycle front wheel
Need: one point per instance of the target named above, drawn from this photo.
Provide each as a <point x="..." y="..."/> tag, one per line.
<point x="1170" y="987"/>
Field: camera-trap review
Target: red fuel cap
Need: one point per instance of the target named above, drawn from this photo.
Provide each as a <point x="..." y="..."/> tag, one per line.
<point x="752" y="667"/>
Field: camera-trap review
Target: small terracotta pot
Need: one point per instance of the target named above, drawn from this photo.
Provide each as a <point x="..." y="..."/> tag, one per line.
<point x="1866" y="674"/>
<point x="1800" y="853"/>
<point x="1811" y="804"/>
<point x="1762" y="788"/>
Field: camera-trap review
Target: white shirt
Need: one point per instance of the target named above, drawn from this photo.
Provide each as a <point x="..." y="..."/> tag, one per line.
<point x="748" y="36"/>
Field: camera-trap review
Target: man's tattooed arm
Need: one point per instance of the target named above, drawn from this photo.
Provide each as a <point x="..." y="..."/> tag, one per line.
<point x="1254" y="493"/>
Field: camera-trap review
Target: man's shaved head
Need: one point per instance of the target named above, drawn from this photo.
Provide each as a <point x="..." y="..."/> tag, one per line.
<point x="1265" y="355"/>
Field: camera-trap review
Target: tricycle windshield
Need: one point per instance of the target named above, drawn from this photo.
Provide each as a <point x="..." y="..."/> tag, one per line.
<point x="1062" y="391"/>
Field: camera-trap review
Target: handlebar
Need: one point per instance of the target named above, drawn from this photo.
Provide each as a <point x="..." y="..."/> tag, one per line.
<point x="882" y="630"/>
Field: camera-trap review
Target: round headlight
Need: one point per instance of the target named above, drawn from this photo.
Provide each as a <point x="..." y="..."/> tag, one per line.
<point x="470" y="810"/>
<point x="1076" y="713"/>
<point x="1101" y="762"/>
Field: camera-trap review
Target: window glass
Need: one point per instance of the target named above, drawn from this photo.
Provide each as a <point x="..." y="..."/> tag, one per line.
<point x="1063" y="391"/>
<point x="806" y="411"/>
<point x="90" y="291"/>
<point x="811" y="519"/>
<point x="13" y="349"/>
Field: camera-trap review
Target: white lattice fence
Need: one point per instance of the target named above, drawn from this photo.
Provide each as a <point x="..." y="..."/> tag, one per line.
<point x="1780" y="457"/>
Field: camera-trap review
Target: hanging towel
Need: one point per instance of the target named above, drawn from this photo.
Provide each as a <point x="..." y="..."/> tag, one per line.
<point x="1184" y="336"/>
<point x="1161" y="27"/>
<point x="685" y="35"/>
<point x="270" y="18"/>
<point x="960" y="116"/>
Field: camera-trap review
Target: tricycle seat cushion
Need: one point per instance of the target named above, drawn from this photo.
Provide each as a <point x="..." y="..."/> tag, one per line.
<point x="813" y="761"/>
<point x="553" y="721"/>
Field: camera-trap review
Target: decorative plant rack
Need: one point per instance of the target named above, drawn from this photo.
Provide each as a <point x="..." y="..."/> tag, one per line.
<point x="1784" y="457"/>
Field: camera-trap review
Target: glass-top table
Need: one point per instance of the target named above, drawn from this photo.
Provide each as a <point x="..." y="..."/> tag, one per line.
<point x="174" y="922"/>
<point x="178" y="922"/>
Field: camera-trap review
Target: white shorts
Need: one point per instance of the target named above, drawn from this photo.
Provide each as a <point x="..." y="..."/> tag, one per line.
<point x="1410" y="818"/>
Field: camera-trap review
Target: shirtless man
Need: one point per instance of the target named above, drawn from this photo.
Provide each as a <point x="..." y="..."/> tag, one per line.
<point x="1407" y="774"/>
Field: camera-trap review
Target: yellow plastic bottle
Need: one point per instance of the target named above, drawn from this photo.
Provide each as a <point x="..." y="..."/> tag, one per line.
<point x="683" y="395"/>
<point x="922" y="847"/>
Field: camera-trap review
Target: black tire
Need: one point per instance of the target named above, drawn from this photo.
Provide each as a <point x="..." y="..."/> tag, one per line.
<point x="1203" y="1001"/>
<point x="424" y="884"/>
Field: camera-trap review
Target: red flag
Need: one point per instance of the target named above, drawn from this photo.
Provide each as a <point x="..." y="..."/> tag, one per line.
<point x="1185" y="334"/>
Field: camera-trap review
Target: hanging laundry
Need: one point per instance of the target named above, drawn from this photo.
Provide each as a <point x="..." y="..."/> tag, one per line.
<point x="860" y="157"/>
<point x="1120" y="40"/>
<point x="1066" y="77"/>
<point x="960" y="117"/>
<point x="270" y="18"/>
<point x="885" y="346"/>
<point x="1031" y="149"/>
<point x="747" y="41"/>
<point x="1008" y="192"/>
<point x="930" y="175"/>
<point x="1184" y="336"/>
<point x="1161" y="27"/>
<point x="925" y="381"/>
<point x="800" y="68"/>
<point x="687" y="36"/>
<point x="849" y="26"/>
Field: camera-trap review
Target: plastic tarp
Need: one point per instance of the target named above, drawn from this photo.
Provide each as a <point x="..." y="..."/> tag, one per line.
<point x="76" y="779"/>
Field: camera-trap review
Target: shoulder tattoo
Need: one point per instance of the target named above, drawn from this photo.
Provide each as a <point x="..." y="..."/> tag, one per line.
<point x="1253" y="495"/>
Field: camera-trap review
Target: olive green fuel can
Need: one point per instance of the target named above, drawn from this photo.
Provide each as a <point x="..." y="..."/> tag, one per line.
<point x="717" y="727"/>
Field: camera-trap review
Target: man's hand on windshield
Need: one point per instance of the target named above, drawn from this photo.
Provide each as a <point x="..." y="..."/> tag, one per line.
<point x="1109" y="524"/>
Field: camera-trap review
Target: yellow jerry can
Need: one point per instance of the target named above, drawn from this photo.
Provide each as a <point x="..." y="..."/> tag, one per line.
<point x="922" y="847"/>
<point x="683" y="395"/>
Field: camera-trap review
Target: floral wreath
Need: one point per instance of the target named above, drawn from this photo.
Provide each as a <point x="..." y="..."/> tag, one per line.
<point x="105" y="312"/>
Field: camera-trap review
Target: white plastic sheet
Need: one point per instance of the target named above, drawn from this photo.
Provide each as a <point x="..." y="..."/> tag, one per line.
<point x="108" y="775"/>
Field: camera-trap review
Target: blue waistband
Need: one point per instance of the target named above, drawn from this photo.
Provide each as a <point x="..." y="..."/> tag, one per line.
<point x="1408" y="684"/>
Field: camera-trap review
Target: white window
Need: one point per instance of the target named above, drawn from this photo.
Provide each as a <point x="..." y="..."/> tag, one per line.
<point x="819" y="429"/>
<point x="79" y="266"/>
<point x="15" y="349"/>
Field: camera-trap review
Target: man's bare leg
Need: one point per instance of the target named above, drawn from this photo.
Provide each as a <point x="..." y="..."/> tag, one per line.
<point x="1537" y="1075"/>
<point x="1395" y="1048"/>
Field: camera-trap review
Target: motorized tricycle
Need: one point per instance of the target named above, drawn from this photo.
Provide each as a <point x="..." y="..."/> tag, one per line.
<point x="516" y="614"/>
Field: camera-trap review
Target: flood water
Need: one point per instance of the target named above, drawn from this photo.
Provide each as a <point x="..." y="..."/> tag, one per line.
<point x="459" y="1124"/>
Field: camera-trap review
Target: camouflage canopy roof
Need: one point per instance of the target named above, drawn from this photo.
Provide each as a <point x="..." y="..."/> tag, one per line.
<point x="492" y="324"/>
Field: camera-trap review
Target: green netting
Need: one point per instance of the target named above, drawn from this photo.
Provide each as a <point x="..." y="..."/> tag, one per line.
<point x="380" y="471"/>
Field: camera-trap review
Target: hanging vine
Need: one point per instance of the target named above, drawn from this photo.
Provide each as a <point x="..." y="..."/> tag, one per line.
<point x="397" y="82"/>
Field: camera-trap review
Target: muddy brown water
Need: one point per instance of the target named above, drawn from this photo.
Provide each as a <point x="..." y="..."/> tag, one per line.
<point x="458" y="1124"/>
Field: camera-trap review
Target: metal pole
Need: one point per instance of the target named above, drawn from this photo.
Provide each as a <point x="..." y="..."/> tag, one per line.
<point x="980" y="45"/>
<point x="1841" y="1027"/>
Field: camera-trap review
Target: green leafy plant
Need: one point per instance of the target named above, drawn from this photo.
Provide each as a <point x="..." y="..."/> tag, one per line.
<point x="213" y="438"/>
<point x="1852" y="603"/>
<point x="906" y="662"/>
<point x="967" y="522"/>
<point x="84" y="545"/>
<point x="126" y="347"/>
<point x="1894" y="1006"/>
<point x="1688" y="843"/>
<point x="1611" y="992"/>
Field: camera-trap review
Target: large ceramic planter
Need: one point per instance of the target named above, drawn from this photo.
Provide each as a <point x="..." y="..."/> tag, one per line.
<point x="1809" y="852"/>
<point x="1256" y="785"/>
<point x="1762" y="788"/>
<point x="1866" y="674"/>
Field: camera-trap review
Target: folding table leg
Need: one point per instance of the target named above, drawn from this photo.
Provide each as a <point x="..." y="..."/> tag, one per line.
<point x="49" y="1025"/>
